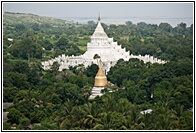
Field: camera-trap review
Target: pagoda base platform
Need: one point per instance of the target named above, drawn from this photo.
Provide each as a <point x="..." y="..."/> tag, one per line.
<point x="96" y="91"/>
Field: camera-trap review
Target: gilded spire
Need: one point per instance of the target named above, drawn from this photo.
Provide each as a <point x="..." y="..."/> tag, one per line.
<point x="99" y="19"/>
<point x="100" y="63"/>
<point x="100" y="71"/>
<point x="100" y="79"/>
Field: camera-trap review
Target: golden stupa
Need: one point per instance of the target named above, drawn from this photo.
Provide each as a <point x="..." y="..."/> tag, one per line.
<point x="100" y="79"/>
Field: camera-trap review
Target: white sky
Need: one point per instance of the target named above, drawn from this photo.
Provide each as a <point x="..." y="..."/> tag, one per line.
<point x="111" y="9"/>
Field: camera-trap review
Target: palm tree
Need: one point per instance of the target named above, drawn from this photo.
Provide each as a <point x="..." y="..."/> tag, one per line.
<point x="103" y="123"/>
<point x="123" y="106"/>
<point x="108" y="102"/>
<point x="65" y="115"/>
<point x="87" y="91"/>
<point x="108" y="121"/>
<point x="179" y="109"/>
<point x="91" y="112"/>
<point x="77" y="121"/>
<point x="132" y="119"/>
<point x="146" y="121"/>
<point x="166" y="119"/>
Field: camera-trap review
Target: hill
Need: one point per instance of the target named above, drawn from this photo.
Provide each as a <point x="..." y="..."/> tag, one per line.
<point x="23" y="18"/>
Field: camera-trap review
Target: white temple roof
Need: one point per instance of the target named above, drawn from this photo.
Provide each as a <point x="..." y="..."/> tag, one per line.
<point x="99" y="31"/>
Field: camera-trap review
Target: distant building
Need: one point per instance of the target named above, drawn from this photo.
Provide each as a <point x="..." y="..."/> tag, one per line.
<point x="10" y="39"/>
<point x="6" y="105"/>
<point x="148" y="111"/>
<point x="5" y="113"/>
<point x="5" y="119"/>
<point x="109" y="51"/>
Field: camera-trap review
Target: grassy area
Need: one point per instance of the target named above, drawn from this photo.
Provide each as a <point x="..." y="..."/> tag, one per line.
<point x="83" y="42"/>
<point x="125" y="37"/>
<point x="83" y="48"/>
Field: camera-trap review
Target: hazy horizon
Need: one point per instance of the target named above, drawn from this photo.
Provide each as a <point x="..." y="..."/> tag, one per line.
<point x="152" y="12"/>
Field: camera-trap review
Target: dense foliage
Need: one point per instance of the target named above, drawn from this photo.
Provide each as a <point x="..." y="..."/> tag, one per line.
<point x="59" y="100"/>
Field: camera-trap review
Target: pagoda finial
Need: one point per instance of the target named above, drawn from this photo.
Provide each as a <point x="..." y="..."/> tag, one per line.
<point x="99" y="19"/>
<point x="100" y="63"/>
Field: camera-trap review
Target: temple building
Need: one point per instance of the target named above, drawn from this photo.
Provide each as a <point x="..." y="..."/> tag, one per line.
<point x="100" y="82"/>
<point x="100" y="44"/>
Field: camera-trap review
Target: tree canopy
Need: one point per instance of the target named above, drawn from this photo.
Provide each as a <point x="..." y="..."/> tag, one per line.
<point x="58" y="100"/>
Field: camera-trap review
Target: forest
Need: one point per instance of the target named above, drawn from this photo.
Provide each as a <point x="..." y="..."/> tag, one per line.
<point x="54" y="100"/>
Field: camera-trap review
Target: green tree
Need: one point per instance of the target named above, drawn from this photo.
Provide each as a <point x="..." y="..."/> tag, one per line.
<point x="91" y="111"/>
<point x="186" y="121"/>
<point x="14" y="115"/>
<point x="6" y="126"/>
<point x="21" y="67"/>
<point x="25" y="106"/>
<point x="108" y="121"/>
<point x="169" y="120"/>
<point x="24" y="123"/>
<point x="96" y="56"/>
<point x="15" y="79"/>
<point x="26" y="49"/>
<point x="63" y="120"/>
<point x="47" y="45"/>
<point x="129" y="23"/>
<point x="62" y="43"/>
<point x="20" y="27"/>
<point x="55" y="67"/>
<point x="9" y="93"/>
<point x="48" y="125"/>
<point x="35" y="27"/>
<point x="38" y="115"/>
<point x="91" y="71"/>
<point x="165" y="26"/>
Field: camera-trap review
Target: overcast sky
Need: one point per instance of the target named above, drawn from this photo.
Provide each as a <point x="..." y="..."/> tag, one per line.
<point x="129" y="9"/>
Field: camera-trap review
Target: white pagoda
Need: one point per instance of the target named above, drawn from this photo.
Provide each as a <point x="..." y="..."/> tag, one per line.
<point x="100" y="44"/>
